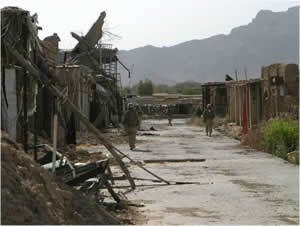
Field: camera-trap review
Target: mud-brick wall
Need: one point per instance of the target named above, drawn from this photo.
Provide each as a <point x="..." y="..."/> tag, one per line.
<point x="279" y="98"/>
<point x="75" y="81"/>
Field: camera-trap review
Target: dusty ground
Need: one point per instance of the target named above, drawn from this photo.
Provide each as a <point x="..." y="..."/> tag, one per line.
<point x="31" y="195"/>
<point x="238" y="185"/>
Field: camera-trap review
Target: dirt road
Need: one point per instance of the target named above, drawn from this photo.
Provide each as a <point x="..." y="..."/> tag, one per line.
<point x="240" y="186"/>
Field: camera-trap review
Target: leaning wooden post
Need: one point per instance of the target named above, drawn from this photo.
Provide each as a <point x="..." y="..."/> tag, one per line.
<point x="54" y="136"/>
<point x="25" y="122"/>
<point x="42" y="79"/>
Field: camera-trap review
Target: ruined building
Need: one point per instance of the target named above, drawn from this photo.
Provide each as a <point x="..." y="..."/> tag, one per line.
<point x="280" y="89"/>
<point x="87" y="75"/>
<point x="247" y="102"/>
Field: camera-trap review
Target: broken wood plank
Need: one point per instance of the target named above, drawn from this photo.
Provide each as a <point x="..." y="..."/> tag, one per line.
<point x="43" y="80"/>
<point x="172" y="160"/>
<point x="110" y="189"/>
<point x="54" y="137"/>
<point x="136" y="204"/>
<point x="140" y="165"/>
<point x="160" y="185"/>
<point x="81" y="40"/>
<point x="93" y="35"/>
<point x="157" y="181"/>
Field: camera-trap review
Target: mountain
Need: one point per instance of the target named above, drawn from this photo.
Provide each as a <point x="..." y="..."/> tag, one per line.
<point x="271" y="37"/>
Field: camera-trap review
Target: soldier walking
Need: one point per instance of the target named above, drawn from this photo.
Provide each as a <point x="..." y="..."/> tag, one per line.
<point x="208" y="116"/>
<point x="131" y="123"/>
<point x="170" y="116"/>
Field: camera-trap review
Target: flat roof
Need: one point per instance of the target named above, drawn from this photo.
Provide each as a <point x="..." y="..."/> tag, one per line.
<point x="214" y="84"/>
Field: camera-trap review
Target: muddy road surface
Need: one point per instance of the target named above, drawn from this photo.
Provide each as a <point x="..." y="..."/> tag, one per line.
<point x="237" y="185"/>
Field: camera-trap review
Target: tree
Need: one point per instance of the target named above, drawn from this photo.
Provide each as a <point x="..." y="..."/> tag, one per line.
<point x="161" y="88"/>
<point x="145" y="88"/>
<point x="188" y="91"/>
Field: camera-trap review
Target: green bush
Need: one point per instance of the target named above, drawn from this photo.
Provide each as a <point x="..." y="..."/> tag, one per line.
<point x="281" y="137"/>
<point x="198" y="112"/>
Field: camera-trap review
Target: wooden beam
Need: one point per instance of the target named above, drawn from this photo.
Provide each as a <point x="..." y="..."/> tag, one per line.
<point x="25" y="118"/>
<point x="173" y="160"/>
<point x="43" y="80"/>
<point x="82" y="41"/>
<point x="54" y="137"/>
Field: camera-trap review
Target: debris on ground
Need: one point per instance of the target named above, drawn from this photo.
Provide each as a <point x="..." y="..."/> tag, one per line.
<point x="148" y="134"/>
<point x="153" y="129"/>
<point x="116" y="136"/>
<point x="79" y="154"/>
<point x="34" y="196"/>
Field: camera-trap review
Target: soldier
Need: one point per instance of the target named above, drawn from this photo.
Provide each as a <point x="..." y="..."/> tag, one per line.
<point x="131" y="123"/>
<point x="208" y="116"/>
<point x="170" y="116"/>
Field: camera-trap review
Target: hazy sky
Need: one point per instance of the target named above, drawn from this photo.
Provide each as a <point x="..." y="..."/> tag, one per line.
<point x="146" y="22"/>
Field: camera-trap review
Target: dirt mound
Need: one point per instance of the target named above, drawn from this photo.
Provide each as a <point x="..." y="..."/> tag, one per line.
<point x="31" y="195"/>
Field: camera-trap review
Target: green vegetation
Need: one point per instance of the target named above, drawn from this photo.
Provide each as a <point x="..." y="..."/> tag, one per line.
<point x="281" y="137"/>
<point x="162" y="88"/>
<point x="188" y="88"/>
<point x="189" y="91"/>
<point x="145" y="88"/>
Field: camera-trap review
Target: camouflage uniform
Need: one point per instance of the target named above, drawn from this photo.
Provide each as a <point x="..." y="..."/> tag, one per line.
<point x="170" y="117"/>
<point x="208" y="116"/>
<point x="131" y="123"/>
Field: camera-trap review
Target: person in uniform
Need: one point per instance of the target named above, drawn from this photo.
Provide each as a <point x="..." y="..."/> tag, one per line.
<point x="170" y="115"/>
<point x="208" y="116"/>
<point x="131" y="123"/>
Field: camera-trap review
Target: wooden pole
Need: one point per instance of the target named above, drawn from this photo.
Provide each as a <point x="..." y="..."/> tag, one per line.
<point x="54" y="137"/>
<point x="139" y="165"/>
<point x="35" y="135"/>
<point x="25" y="125"/>
<point x="42" y="79"/>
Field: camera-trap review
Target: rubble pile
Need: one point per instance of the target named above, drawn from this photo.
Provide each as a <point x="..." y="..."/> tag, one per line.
<point x="31" y="195"/>
<point x="78" y="154"/>
<point x="117" y="137"/>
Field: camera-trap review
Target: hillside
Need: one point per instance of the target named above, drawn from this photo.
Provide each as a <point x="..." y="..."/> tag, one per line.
<point x="271" y="37"/>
